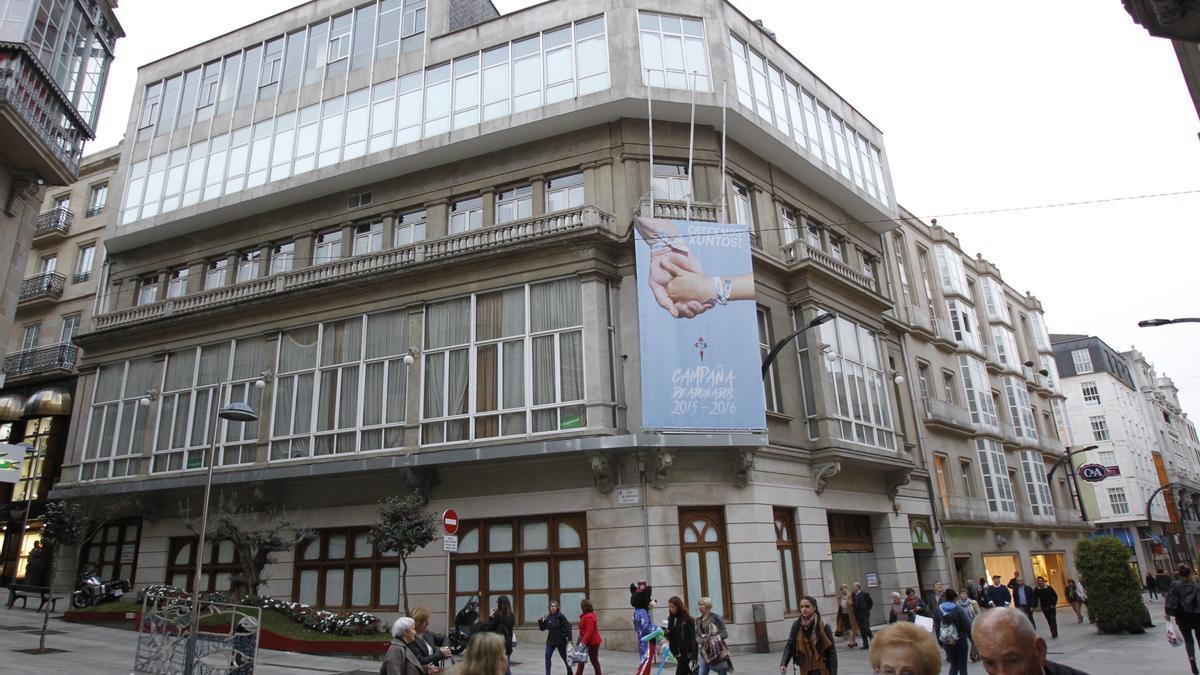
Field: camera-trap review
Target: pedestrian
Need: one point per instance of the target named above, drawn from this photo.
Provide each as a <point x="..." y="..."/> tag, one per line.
<point x="500" y="621"/>
<point x="897" y="609"/>
<point x="711" y="624"/>
<point x="863" y="602"/>
<point x="1183" y="607"/>
<point x="1009" y="645"/>
<point x="1075" y="600"/>
<point x="484" y="656"/>
<point x="427" y="645"/>
<point x="938" y="591"/>
<point x="971" y="607"/>
<point x="1150" y="585"/>
<point x="982" y="591"/>
<point x="846" y="610"/>
<point x="1045" y="597"/>
<point x="951" y="627"/>
<point x="589" y="636"/>
<point x="913" y="605"/>
<point x="810" y="643"/>
<point x="558" y="634"/>
<point x="401" y="659"/>
<point x="1162" y="583"/>
<point x="905" y="648"/>
<point x="681" y="636"/>
<point x="998" y="594"/>
<point x="1022" y="598"/>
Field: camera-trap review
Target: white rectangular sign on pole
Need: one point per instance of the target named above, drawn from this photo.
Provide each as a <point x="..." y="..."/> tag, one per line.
<point x="450" y="543"/>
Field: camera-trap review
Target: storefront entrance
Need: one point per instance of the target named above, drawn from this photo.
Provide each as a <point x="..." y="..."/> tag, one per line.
<point x="854" y="558"/>
<point x="1050" y="566"/>
<point x="1007" y="565"/>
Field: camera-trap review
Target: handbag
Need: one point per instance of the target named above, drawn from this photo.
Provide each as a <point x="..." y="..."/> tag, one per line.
<point x="579" y="654"/>
<point x="1173" y="637"/>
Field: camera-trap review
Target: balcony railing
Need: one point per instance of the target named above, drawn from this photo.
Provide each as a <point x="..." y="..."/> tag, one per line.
<point x="48" y="285"/>
<point x="1028" y="516"/>
<point x="993" y="356"/>
<point x="475" y="241"/>
<point x="81" y="277"/>
<point x="943" y="331"/>
<point x="798" y="251"/>
<point x="42" y="359"/>
<point x="94" y="211"/>
<point x="974" y="510"/>
<point x="54" y="221"/>
<point x="31" y="91"/>
<point x="947" y="414"/>
<point x="676" y="210"/>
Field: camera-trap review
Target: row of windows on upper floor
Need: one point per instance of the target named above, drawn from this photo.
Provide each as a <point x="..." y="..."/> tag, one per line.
<point x="524" y="74"/>
<point x="999" y="480"/>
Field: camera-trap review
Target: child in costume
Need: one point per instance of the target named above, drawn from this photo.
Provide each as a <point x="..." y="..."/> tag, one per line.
<point x="640" y="598"/>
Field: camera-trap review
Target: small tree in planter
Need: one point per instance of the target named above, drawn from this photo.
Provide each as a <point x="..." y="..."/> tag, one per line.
<point x="405" y="527"/>
<point x="1114" y="593"/>
<point x="64" y="526"/>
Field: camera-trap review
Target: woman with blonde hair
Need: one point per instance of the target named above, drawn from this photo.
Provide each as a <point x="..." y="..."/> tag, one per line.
<point x="905" y="647"/>
<point x="847" y="619"/>
<point x="484" y="656"/>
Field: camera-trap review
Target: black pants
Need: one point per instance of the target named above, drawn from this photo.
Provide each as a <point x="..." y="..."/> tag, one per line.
<point x="1028" y="609"/>
<point x="1051" y="614"/>
<point x="562" y="654"/>
<point x="1153" y="592"/>
<point x="1190" y="628"/>
<point x="864" y="629"/>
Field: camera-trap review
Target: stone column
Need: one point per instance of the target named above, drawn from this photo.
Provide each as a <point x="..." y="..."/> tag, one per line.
<point x="389" y="230"/>
<point x="264" y="260"/>
<point x="164" y="277"/>
<point x="412" y="387"/>
<point x="231" y="267"/>
<point x="263" y="448"/>
<point x="488" y="197"/>
<point x="764" y="220"/>
<point x="437" y="215"/>
<point x="602" y="197"/>
<point x="195" y="281"/>
<point x="539" y="195"/>
<point x="302" y="257"/>
<point x="816" y="557"/>
<point x="347" y="240"/>
<point x="893" y="550"/>
<point x="597" y="358"/>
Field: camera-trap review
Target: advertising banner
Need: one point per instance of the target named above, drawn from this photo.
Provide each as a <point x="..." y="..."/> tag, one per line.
<point x="701" y="366"/>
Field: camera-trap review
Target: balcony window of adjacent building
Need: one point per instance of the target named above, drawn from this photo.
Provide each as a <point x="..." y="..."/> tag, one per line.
<point x="564" y="192"/>
<point x="29" y="339"/>
<point x="282" y="257"/>
<point x="857" y="380"/>
<point x="1033" y="469"/>
<point x="248" y="264"/>
<point x="954" y="278"/>
<point x="217" y="276"/>
<point x="515" y="203"/>
<point x="902" y="270"/>
<point x="368" y="237"/>
<point x="84" y="263"/>
<point x="1041" y="337"/>
<point x="1117" y="501"/>
<point x="466" y="215"/>
<point x="674" y="51"/>
<point x="328" y="247"/>
<point x="993" y="296"/>
<point x="743" y="214"/>
<point x="177" y="283"/>
<point x="97" y="200"/>
<point x="1099" y="427"/>
<point x="979" y="395"/>
<point x="671" y="181"/>
<point x="147" y="290"/>
<point x="766" y="340"/>
<point x="966" y="481"/>
<point x="1019" y="408"/>
<point x="837" y="248"/>
<point x="48" y="264"/>
<point x="1091" y="393"/>
<point x="118" y="427"/>
<point x="996" y="481"/>
<point x="341" y="387"/>
<point x="410" y="228"/>
<point x="789" y="226"/>
<point x="1006" y="346"/>
<point x="489" y="371"/>
<point x="70" y="328"/>
<point x="1082" y="359"/>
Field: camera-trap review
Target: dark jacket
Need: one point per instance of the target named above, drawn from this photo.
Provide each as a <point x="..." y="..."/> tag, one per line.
<point x="1022" y="599"/>
<point x="1162" y="583"/>
<point x="427" y="648"/>
<point x="912" y="611"/>
<point x="681" y="636"/>
<point x="998" y="596"/>
<point x="951" y="612"/>
<point x="790" y="655"/>
<point x="1052" y="668"/>
<point x="706" y="625"/>
<point x="400" y="660"/>
<point x="558" y="629"/>
<point x="500" y="625"/>
<point x="1046" y="598"/>
<point x="863" y="603"/>
<point x="1182" y="596"/>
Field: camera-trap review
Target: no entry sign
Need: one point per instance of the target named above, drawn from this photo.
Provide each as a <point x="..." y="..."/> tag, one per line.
<point x="450" y="521"/>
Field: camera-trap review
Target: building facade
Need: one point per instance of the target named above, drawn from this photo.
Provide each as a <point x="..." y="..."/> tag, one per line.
<point x="981" y="368"/>
<point x="310" y="199"/>
<point x="54" y="56"/>
<point x="1178" y="22"/>
<point x="57" y="300"/>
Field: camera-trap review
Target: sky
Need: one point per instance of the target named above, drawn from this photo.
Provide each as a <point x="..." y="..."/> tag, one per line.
<point x="983" y="106"/>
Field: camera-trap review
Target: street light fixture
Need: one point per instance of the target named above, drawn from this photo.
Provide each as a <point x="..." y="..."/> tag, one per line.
<point x="237" y="411"/>
<point x="1074" y="481"/>
<point x="1151" y="323"/>
<point x="774" y="353"/>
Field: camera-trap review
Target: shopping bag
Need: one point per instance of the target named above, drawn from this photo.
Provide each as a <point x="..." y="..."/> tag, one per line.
<point x="1173" y="637"/>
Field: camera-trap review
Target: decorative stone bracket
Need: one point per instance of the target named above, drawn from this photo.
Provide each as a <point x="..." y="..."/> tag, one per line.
<point x="897" y="480"/>
<point x="602" y="471"/>
<point x="743" y="461"/>
<point x="663" y="459"/>
<point x="823" y="472"/>
<point x="23" y="189"/>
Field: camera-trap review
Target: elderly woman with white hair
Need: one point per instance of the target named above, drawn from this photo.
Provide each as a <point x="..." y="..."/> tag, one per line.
<point x="400" y="659"/>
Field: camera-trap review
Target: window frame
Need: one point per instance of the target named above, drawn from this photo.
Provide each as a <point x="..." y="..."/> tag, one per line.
<point x="786" y="540"/>
<point x="1082" y="360"/>
<point x="772" y="389"/>
<point x="212" y="567"/>
<point x="713" y="517"/>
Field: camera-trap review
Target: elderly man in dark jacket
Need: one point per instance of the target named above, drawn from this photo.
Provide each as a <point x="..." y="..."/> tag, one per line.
<point x="997" y="594"/>
<point x="862" y="612"/>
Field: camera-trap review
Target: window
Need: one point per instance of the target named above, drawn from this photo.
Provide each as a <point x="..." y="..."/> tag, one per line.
<point x="272" y="64"/>
<point x="979" y="394"/>
<point x="84" y="263"/>
<point x="328" y="247"/>
<point x="150" y="106"/>
<point x="902" y="270"/>
<point x="1036" y="485"/>
<point x="339" y="39"/>
<point x="812" y="233"/>
<point x="1108" y="458"/>
<point x="248" y="263"/>
<point x="97" y="200"/>
<point x="413" y="22"/>
<point x="531" y="560"/>
<point x="564" y="192"/>
<point x="147" y="290"/>
<point x="965" y="324"/>
<point x="466" y="85"/>
<point x="1083" y="361"/>
<point x="766" y="340"/>
<point x="1006" y="347"/>
<point x="1041" y="337"/>
<point x="837" y="248"/>
<point x="790" y="232"/>
<point x="410" y="228"/>
<point x="993" y="296"/>
<point x="968" y="486"/>
<point x="940" y="472"/>
<point x="341" y="387"/>
<point x="923" y="386"/>
<point x="949" y="388"/>
<point x="743" y="214"/>
<point x="341" y="568"/>
<point x="113" y="549"/>
<point x="48" y="264"/>
<point x="368" y="237"/>
<point x="177" y="282"/>
<point x="674" y="52"/>
<point x="359" y="200"/>
<point x="515" y="203"/>
<point x="466" y="215"/>
<point x="118" y="428"/>
<point x="702" y="542"/>
<point x="857" y="381"/>
<point x="29" y="339"/>
<point x="1019" y="408"/>
<point x="282" y="256"/>
<point x="923" y="266"/>
<point x="789" y="556"/>
<point x="70" y="328"/>
<point x="215" y="278"/>
<point x="1091" y="393"/>
<point x="1116" y="500"/>
<point x="671" y="181"/>
<point x="489" y="371"/>
<point x="996" y="481"/>
<point x="558" y="75"/>
<point x="1099" y="428"/>
<point x="220" y="564"/>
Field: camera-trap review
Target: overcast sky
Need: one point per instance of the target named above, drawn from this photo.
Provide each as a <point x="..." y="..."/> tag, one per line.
<point x="983" y="106"/>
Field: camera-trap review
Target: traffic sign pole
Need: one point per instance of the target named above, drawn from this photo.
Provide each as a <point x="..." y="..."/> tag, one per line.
<point x="450" y="525"/>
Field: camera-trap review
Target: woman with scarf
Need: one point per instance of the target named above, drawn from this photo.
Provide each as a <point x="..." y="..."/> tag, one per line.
<point x="810" y="644"/>
<point x="913" y="605"/>
<point x="846" y="607"/>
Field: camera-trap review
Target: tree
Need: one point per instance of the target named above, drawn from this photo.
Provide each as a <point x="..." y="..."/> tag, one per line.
<point x="64" y="525"/>
<point x="1114" y="593"/>
<point x="405" y="527"/>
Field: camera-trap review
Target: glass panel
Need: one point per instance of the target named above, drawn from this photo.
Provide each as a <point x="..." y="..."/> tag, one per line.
<point x="225" y="552"/>
<point x="360" y="587"/>
<point x="789" y="579"/>
<point x="536" y="576"/>
<point x="335" y="581"/>
<point x="568" y="537"/>
<point x="389" y="586"/>
<point x="535" y="537"/>
<point x="535" y="605"/>
<point x="716" y="590"/>
<point x="466" y="578"/>
<point x="337" y="546"/>
<point x="469" y="542"/>
<point x="691" y="565"/>
<point x="500" y="538"/>
<point x="500" y="577"/>
<point x="362" y="545"/>
<point x="570" y="605"/>
<point x="308" y="587"/>
<point x="572" y="574"/>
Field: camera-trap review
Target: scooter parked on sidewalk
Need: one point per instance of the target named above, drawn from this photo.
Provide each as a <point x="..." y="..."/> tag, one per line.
<point x="91" y="590"/>
<point x="464" y="623"/>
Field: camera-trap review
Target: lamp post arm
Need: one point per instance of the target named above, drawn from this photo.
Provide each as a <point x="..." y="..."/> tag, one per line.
<point x="1065" y="458"/>
<point x="774" y="353"/>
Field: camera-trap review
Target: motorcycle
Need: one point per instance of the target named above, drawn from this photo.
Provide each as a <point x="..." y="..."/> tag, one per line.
<point x="91" y="590"/>
<point x="464" y="623"/>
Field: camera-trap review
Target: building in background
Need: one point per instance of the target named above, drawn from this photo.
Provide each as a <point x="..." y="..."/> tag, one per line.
<point x="980" y="364"/>
<point x="56" y="302"/>
<point x="307" y="200"/>
<point x="1179" y="22"/>
<point x="54" y="60"/>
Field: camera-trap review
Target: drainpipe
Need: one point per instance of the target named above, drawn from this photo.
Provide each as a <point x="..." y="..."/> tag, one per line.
<point x="645" y="517"/>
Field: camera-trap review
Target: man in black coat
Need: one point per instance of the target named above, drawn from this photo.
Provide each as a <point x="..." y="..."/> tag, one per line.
<point x="1022" y="598"/>
<point x="862" y="613"/>
<point x="997" y="594"/>
<point x="1045" y="597"/>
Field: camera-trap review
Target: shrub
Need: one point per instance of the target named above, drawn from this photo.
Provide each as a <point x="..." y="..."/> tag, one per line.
<point x="319" y="620"/>
<point x="1114" y="593"/>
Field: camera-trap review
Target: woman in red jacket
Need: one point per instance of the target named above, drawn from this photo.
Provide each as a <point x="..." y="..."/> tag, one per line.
<point x="589" y="635"/>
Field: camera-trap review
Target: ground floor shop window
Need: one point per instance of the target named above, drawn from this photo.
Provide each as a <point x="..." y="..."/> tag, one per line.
<point x="114" y="550"/>
<point x="532" y="560"/>
<point x="705" y="558"/>
<point x="789" y="555"/>
<point x="220" y="564"/>
<point x="341" y="568"/>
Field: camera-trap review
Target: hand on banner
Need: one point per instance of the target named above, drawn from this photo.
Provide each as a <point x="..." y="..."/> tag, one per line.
<point x="665" y="267"/>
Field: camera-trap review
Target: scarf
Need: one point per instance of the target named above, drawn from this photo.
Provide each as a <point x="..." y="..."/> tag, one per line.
<point x="811" y="644"/>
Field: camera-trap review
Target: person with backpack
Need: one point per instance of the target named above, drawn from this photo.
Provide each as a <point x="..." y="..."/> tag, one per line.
<point x="952" y="626"/>
<point x="1183" y="607"/>
<point x="1045" y="597"/>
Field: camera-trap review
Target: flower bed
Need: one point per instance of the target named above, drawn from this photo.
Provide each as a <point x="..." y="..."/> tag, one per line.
<point x="318" y="620"/>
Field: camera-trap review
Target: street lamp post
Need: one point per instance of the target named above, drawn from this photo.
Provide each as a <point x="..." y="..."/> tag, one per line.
<point x="1074" y="480"/>
<point x="29" y="492"/>
<point x="234" y="412"/>
<point x="1149" y="516"/>
<point x="1152" y="323"/>
<point x="774" y="353"/>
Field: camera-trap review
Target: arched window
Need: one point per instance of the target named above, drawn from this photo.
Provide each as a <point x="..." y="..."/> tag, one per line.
<point x="702" y="540"/>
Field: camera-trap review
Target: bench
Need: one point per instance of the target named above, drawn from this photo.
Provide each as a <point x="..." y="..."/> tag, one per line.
<point x="23" y="592"/>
